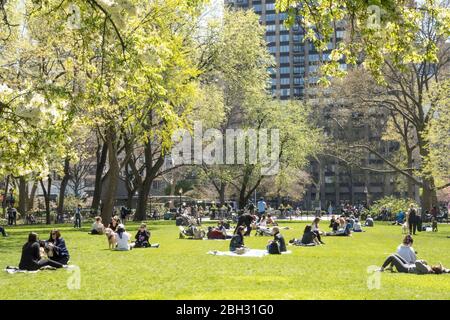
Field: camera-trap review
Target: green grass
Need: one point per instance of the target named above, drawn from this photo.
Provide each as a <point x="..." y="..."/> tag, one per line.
<point x="181" y="269"/>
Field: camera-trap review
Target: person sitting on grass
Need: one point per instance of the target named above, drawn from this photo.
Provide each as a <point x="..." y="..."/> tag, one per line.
<point x="315" y="228"/>
<point x="3" y="232"/>
<point x="309" y="238"/>
<point x="58" y="245"/>
<point x="219" y="232"/>
<point x="369" y="221"/>
<point x="97" y="226"/>
<point x="263" y="222"/>
<point x="122" y="239"/>
<point x="271" y="220"/>
<point x="332" y="221"/>
<point x="143" y="238"/>
<point x="237" y="241"/>
<point x="344" y="229"/>
<point x="278" y="239"/>
<point x="406" y="251"/>
<point x="357" y="226"/>
<point x="115" y="221"/>
<point x="31" y="256"/>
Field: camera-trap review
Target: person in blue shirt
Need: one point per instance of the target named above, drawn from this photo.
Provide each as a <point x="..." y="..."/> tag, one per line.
<point x="261" y="206"/>
<point x="400" y="218"/>
<point x="60" y="252"/>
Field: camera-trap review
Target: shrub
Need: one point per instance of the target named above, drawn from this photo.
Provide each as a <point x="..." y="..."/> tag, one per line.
<point x="392" y="204"/>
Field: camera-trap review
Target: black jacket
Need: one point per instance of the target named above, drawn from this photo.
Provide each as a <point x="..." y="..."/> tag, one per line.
<point x="280" y="239"/>
<point x="142" y="237"/>
<point x="236" y="242"/>
<point x="60" y="249"/>
<point x="30" y="256"/>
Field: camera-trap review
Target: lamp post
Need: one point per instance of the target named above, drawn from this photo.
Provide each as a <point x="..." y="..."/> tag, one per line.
<point x="180" y="192"/>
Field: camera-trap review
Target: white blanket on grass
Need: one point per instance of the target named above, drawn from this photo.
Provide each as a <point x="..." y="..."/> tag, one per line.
<point x="252" y="253"/>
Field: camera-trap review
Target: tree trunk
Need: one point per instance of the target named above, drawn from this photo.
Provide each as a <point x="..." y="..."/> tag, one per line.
<point x="222" y="192"/>
<point x="62" y="189"/>
<point x="101" y="161"/>
<point x="32" y="195"/>
<point x="5" y="195"/>
<point x="23" y="196"/>
<point x="144" y="190"/>
<point x="113" y="176"/>
<point x="47" y="198"/>
<point x="429" y="196"/>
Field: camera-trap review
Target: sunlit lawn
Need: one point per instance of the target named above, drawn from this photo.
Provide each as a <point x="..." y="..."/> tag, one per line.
<point x="181" y="269"/>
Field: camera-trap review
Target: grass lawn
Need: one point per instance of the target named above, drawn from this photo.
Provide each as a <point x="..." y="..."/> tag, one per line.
<point x="181" y="269"/>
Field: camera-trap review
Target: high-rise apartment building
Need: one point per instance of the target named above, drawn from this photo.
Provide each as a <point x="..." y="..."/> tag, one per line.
<point x="297" y="62"/>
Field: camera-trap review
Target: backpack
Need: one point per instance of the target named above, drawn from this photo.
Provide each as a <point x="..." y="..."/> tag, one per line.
<point x="274" y="248"/>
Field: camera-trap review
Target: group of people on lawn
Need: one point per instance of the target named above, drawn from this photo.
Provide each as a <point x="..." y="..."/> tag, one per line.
<point x="53" y="252"/>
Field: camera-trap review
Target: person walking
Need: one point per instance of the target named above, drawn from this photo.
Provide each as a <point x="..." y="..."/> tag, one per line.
<point x="261" y="206"/>
<point x="412" y="219"/>
<point x="77" y="217"/>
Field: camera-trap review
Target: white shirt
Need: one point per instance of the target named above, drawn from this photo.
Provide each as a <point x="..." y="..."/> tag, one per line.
<point x="122" y="243"/>
<point x="407" y="253"/>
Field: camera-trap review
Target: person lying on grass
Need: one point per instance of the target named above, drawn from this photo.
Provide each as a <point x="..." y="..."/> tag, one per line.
<point x="143" y="238"/>
<point x="97" y="226"/>
<point x="122" y="239"/>
<point x="57" y="245"/>
<point x="315" y="228"/>
<point x="31" y="259"/>
<point x="278" y="240"/>
<point x="309" y="238"/>
<point x="237" y="241"/>
<point x="419" y="267"/>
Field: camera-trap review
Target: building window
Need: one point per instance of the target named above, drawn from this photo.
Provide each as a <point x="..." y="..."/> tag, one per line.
<point x="285" y="70"/>
<point x="270" y="17"/>
<point x="298" y="81"/>
<point x="285" y="81"/>
<point x="271" y="28"/>
<point x="257" y="7"/>
<point x="284" y="37"/>
<point x="284" y="48"/>
<point x="299" y="59"/>
<point x="284" y="59"/>
<point x="285" y="92"/>
<point x="270" y="6"/>
<point x="271" y="39"/>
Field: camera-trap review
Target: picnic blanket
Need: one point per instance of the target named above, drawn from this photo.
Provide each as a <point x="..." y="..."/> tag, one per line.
<point x="252" y="253"/>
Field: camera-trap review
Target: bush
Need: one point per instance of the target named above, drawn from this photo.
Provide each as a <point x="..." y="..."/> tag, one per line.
<point x="392" y="204"/>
